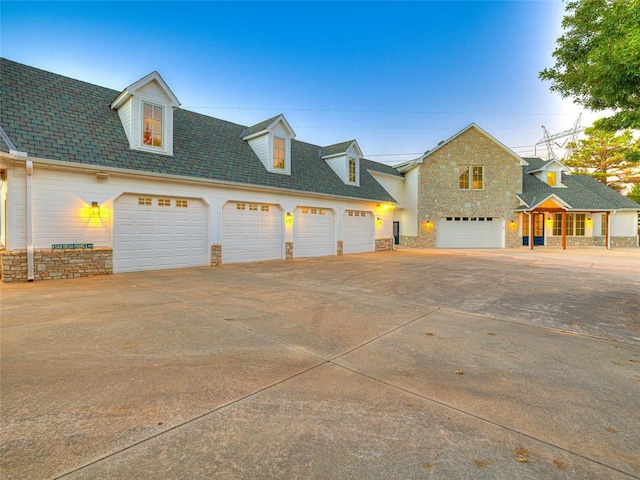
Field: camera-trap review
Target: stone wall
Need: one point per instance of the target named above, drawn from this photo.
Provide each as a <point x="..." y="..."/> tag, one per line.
<point x="54" y="264"/>
<point x="340" y="248"/>
<point x="572" y="241"/>
<point x="288" y="246"/>
<point x="439" y="194"/>
<point x="384" y="244"/>
<point x="216" y="255"/>
<point x="624" y="242"/>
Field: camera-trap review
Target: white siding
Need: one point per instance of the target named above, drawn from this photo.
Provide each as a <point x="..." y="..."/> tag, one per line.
<point x="260" y="146"/>
<point x="17" y="208"/>
<point x="624" y="224"/>
<point x="125" y="117"/>
<point x="339" y="165"/>
<point x="409" y="215"/>
<point x="393" y="185"/>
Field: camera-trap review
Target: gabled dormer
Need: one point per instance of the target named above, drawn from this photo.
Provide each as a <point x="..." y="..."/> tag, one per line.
<point x="271" y="142"/>
<point x="344" y="159"/>
<point x="146" y="112"/>
<point x="550" y="172"/>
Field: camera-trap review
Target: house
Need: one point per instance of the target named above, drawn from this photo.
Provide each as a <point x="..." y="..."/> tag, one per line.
<point x="473" y="192"/>
<point x="97" y="181"/>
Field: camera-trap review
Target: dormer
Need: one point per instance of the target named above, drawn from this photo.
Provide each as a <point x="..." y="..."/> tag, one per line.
<point x="271" y="142"/>
<point x="344" y="159"/>
<point x="550" y="173"/>
<point x="146" y="112"/>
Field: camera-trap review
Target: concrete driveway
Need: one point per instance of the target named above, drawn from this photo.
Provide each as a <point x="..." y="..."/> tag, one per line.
<point x="411" y="364"/>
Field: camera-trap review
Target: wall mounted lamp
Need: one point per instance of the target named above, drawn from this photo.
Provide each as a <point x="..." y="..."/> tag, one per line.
<point x="589" y="222"/>
<point x="95" y="209"/>
<point x="549" y="222"/>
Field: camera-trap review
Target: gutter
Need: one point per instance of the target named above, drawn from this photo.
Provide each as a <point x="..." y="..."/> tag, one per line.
<point x="29" y="199"/>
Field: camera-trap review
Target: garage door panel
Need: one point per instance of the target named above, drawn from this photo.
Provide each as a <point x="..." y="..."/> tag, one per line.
<point x="251" y="235"/>
<point x="146" y="234"/>
<point x="358" y="234"/>
<point x="313" y="232"/>
<point x="470" y="232"/>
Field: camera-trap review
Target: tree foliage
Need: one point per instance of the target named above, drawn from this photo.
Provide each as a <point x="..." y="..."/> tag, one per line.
<point x="611" y="158"/>
<point x="634" y="194"/>
<point x="597" y="59"/>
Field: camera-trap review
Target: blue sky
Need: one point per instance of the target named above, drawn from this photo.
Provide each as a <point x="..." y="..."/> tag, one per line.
<point x="396" y="76"/>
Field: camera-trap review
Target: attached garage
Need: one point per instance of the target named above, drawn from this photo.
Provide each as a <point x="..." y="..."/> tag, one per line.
<point x="313" y="232"/>
<point x="470" y="232"/>
<point x="153" y="233"/>
<point x="251" y="232"/>
<point x="358" y="235"/>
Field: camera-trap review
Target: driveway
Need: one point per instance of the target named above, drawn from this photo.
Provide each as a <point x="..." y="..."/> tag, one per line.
<point x="496" y="364"/>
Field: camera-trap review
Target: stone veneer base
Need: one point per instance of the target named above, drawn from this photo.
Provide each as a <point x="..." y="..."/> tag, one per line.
<point x="53" y="264"/>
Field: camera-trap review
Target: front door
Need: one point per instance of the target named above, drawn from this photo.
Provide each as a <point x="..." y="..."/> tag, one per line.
<point x="396" y="233"/>
<point x="538" y="229"/>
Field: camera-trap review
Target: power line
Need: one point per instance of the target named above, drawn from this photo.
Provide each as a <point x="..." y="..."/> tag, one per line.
<point x="338" y="110"/>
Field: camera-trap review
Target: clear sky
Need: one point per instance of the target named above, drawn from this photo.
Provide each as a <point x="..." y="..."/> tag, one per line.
<point x="398" y="77"/>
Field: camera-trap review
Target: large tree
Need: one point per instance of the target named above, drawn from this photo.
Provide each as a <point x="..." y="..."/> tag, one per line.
<point x="598" y="59"/>
<point x="609" y="157"/>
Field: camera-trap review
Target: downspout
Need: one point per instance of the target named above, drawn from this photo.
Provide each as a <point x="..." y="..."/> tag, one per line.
<point x="530" y="232"/>
<point x="609" y="228"/>
<point x="29" y="165"/>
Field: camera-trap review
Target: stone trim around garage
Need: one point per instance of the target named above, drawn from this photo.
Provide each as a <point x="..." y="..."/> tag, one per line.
<point x="384" y="244"/>
<point x="216" y="255"/>
<point x="288" y="246"/>
<point x="54" y="264"/>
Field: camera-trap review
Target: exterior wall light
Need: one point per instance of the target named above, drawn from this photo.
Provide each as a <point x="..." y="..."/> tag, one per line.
<point x="95" y="209"/>
<point x="288" y="218"/>
<point x="589" y="222"/>
<point x="514" y="224"/>
<point x="549" y="222"/>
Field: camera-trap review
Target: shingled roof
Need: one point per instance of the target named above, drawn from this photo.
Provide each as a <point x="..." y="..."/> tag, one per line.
<point x="55" y="117"/>
<point x="582" y="192"/>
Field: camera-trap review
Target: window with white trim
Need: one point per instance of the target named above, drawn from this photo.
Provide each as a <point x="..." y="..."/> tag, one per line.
<point x="575" y="224"/>
<point x="352" y="170"/>
<point x="603" y="225"/>
<point x="278" y="153"/>
<point x="471" y="178"/>
<point x="152" y="133"/>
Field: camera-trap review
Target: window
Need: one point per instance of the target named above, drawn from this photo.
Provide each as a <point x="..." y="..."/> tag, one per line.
<point x="164" y="202"/>
<point x="314" y="211"/>
<point x="253" y="206"/>
<point x="525" y="225"/>
<point x="264" y="208"/>
<point x="152" y="125"/>
<point x="305" y="210"/>
<point x="471" y="178"/>
<point x="181" y="203"/>
<point x="557" y="224"/>
<point x="575" y="224"/>
<point x="603" y="225"/>
<point x="240" y="206"/>
<point x="144" y="200"/>
<point x="551" y="179"/>
<point x="352" y="170"/>
<point x="278" y="153"/>
<point x="321" y="212"/>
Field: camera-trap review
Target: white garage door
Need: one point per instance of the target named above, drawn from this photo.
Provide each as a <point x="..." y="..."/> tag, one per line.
<point x="251" y="232"/>
<point x="153" y="233"/>
<point x="470" y="232"/>
<point x="357" y="232"/>
<point x="312" y="232"/>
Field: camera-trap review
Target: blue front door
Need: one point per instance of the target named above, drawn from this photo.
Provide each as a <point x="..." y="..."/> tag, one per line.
<point x="538" y="229"/>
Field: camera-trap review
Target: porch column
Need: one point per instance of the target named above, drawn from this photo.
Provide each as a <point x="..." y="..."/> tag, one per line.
<point x="532" y="217"/>
<point x="564" y="230"/>
<point x="606" y="232"/>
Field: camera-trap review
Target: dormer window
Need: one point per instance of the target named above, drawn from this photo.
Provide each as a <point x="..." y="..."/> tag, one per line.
<point x="352" y="170"/>
<point x="552" y="179"/>
<point x="278" y="153"/>
<point x="152" y="125"/>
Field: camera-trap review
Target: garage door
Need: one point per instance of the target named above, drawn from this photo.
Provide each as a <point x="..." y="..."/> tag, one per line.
<point x="312" y="232"/>
<point x="153" y="233"/>
<point x="470" y="232"/>
<point x="251" y="232"/>
<point x="357" y="232"/>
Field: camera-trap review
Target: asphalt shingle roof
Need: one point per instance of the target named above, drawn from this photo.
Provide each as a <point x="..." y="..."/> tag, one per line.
<point x="336" y="149"/>
<point x="582" y="192"/>
<point x="56" y="117"/>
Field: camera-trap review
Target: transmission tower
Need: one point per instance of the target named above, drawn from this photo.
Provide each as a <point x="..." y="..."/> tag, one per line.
<point x="570" y="136"/>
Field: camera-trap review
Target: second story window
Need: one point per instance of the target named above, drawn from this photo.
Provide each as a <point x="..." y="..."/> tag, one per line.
<point x="278" y="153"/>
<point x="152" y="125"/>
<point x="352" y="170"/>
<point x="471" y="178"/>
<point x="551" y="179"/>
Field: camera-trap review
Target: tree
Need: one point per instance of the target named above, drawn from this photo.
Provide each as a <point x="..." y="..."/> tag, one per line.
<point x="608" y="157"/>
<point x="597" y="60"/>
<point x="634" y="194"/>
